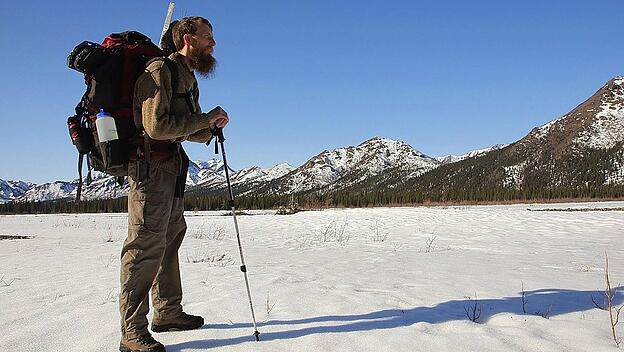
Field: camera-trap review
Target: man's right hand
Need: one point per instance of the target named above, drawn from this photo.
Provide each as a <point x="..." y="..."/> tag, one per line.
<point x="218" y="117"/>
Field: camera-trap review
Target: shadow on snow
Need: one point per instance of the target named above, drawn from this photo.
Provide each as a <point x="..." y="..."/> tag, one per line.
<point x="552" y="302"/>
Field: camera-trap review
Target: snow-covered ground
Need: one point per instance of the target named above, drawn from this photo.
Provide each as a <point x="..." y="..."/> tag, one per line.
<point x="385" y="279"/>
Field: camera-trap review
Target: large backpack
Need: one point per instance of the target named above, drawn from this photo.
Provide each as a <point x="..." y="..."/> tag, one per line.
<point x="110" y="71"/>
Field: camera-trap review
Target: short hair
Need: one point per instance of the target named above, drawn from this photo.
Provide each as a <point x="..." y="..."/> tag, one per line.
<point x="187" y="25"/>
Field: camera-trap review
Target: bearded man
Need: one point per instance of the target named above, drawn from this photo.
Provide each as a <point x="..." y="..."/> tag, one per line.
<point x="167" y="112"/>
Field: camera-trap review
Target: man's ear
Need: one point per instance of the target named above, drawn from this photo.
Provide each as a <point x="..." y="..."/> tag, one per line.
<point x="188" y="39"/>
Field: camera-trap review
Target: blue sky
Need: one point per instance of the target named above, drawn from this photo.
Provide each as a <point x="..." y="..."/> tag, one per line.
<point x="298" y="77"/>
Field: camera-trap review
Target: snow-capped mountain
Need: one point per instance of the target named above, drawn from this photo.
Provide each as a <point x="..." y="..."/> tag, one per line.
<point x="597" y="123"/>
<point x="331" y="169"/>
<point x="201" y="174"/>
<point x="211" y="172"/>
<point x="447" y="159"/>
<point x="102" y="186"/>
<point x="11" y="190"/>
<point x="347" y="166"/>
<point x="581" y="149"/>
<point x="256" y="174"/>
<point x="56" y="190"/>
<point x="587" y="140"/>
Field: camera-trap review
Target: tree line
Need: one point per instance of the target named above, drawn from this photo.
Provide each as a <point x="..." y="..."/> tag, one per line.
<point x="354" y="199"/>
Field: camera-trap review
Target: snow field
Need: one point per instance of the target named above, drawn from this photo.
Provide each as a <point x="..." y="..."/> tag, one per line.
<point x="383" y="279"/>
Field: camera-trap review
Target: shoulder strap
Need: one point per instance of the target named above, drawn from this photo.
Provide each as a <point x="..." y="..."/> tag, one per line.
<point x="188" y="96"/>
<point x="173" y="68"/>
<point x="79" y="191"/>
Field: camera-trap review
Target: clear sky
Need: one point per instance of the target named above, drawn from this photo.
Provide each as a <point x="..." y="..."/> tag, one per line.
<point x="298" y="77"/>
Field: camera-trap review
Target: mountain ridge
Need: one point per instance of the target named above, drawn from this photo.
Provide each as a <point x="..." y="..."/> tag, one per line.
<point x="582" y="148"/>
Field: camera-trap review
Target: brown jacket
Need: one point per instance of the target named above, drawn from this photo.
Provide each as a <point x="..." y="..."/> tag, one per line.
<point x="164" y="116"/>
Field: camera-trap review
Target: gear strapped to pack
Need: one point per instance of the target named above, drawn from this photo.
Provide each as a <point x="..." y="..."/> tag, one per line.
<point x="111" y="70"/>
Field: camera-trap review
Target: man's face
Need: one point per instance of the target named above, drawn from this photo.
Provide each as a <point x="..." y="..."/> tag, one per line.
<point x="200" y="51"/>
<point x="203" y="39"/>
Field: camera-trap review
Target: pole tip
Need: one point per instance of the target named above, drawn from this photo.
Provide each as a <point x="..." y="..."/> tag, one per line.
<point x="257" y="335"/>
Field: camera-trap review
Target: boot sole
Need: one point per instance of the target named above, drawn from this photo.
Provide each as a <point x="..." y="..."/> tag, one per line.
<point x="126" y="349"/>
<point x="172" y="327"/>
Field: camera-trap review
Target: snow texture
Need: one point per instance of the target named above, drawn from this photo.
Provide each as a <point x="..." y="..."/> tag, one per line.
<point x="616" y="177"/>
<point x="513" y="175"/>
<point x="257" y="174"/>
<point x="447" y="159"/>
<point x="209" y="173"/>
<point x="367" y="159"/>
<point x="608" y="127"/>
<point x="333" y="280"/>
<point x="10" y="189"/>
<point x="542" y="131"/>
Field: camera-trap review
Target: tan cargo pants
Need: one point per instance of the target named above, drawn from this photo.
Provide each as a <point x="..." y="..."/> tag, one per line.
<point x="149" y="257"/>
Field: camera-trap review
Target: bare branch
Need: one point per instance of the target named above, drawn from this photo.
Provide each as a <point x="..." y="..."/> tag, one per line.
<point x="601" y="307"/>
<point x="5" y="283"/>
<point x="524" y="300"/>
<point x="269" y="305"/>
<point x="614" y="312"/>
<point x="473" y="312"/>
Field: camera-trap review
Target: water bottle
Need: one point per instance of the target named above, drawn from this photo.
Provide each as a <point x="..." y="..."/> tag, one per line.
<point x="105" y="125"/>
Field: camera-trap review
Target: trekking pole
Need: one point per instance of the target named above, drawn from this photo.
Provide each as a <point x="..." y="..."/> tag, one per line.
<point x="218" y="132"/>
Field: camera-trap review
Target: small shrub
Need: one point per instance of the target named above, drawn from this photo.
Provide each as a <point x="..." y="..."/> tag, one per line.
<point x="111" y="297"/>
<point x="430" y="244"/>
<point x="269" y="306"/>
<point x="214" y="232"/>
<point x="334" y="232"/>
<point x="202" y="255"/>
<point x="377" y="236"/>
<point x="473" y="311"/>
<point x="5" y="282"/>
<point x="287" y="211"/>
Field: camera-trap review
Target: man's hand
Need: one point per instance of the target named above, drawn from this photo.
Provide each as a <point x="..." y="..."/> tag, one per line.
<point x="218" y="117"/>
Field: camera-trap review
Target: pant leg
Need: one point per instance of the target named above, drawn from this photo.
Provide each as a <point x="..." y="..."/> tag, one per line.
<point x="150" y="201"/>
<point x="167" y="287"/>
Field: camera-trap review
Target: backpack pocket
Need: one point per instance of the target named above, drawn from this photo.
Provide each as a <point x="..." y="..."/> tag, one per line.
<point x="110" y="157"/>
<point x="80" y="134"/>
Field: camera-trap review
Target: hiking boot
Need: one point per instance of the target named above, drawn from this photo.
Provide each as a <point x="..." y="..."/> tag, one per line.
<point x="145" y="343"/>
<point x="182" y="322"/>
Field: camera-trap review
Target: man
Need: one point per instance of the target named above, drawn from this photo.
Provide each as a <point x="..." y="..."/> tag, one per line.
<point x="156" y="225"/>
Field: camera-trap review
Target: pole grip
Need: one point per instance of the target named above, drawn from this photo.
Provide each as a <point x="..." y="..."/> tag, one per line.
<point x="218" y="132"/>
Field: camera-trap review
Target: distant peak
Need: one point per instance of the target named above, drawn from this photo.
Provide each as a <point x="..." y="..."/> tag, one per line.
<point x="282" y="165"/>
<point x="616" y="82"/>
<point x="381" y="140"/>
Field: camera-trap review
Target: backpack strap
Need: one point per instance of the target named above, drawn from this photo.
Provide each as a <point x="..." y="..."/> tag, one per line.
<point x="79" y="191"/>
<point x="173" y="68"/>
<point x="188" y="96"/>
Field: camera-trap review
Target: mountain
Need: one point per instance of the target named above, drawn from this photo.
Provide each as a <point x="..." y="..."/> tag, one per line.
<point x="102" y="186"/>
<point x="256" y="174"/>
<point x="583" y="148"/>
<point x="57" y="190"/>
<point x="346" y="167"/>
<point x="201" y="174"/>
<point x="206" y="173"/>
<point x="447" y="159"/>
<point x="11" y="190"/>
